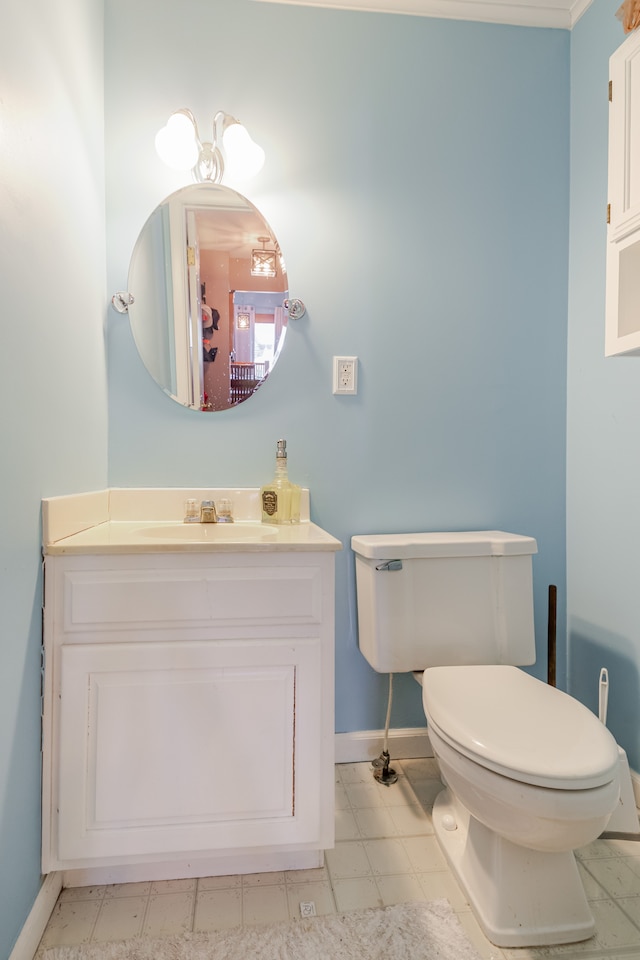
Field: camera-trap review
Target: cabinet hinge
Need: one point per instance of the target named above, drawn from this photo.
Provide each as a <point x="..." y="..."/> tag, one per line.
<point x="610" y="91"/>
<point x="608" y="213"/>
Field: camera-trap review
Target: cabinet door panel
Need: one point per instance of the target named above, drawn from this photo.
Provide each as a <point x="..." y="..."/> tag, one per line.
<point x="103" y="600"/>
<point x="622" y="320"/>
<point x="182" y="746"/>
<point x="624" y="138"/>
<point x="180" y="742"/>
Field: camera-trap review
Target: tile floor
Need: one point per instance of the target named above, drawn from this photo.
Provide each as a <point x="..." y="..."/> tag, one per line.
<point x="385" y="853"/>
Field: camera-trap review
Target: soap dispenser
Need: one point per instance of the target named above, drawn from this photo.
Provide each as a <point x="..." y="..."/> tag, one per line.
<point x="280" y="499"/>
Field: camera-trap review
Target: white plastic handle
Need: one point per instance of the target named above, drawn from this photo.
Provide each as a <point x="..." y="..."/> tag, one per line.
<point x="603" y="699"/>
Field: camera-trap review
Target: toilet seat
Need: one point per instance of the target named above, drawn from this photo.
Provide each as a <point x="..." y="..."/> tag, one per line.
<point x="507" y="721"/>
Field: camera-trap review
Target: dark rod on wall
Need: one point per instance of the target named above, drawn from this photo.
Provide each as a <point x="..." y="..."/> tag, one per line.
<point x="551" y="635"/>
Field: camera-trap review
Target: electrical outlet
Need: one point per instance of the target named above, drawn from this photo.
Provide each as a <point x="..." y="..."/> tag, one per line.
<point x="345" y="375"/>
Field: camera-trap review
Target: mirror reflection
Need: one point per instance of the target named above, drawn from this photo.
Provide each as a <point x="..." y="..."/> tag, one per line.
<point x="209" y="283"/>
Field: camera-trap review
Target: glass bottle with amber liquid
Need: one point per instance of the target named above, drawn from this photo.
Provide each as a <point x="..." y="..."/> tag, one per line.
<point x="280" y="499"/>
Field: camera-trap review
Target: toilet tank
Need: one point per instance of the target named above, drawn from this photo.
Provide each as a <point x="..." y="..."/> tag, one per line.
<point x="440" y="599"/>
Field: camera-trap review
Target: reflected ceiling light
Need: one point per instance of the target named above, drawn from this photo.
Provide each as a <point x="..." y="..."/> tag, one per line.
<point x="263" y="262"/>
<point x="231" y="150"/>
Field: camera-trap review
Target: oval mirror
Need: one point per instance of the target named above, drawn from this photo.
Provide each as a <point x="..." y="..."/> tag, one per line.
<point x="208" y="284"/>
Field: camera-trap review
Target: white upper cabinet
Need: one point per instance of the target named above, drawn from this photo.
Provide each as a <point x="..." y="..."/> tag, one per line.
<point x="624" y="139"/>
<point x="623" y="236"/>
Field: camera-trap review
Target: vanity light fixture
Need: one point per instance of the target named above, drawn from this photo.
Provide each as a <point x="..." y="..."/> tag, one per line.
<point x="263" y="262"/>
<point x="231" y="148"/>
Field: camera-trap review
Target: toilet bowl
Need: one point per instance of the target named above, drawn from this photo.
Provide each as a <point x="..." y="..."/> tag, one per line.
<point x="530" y="774"/>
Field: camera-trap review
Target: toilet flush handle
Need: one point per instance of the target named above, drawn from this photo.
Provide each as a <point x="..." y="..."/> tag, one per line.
<point x="390" y="565"/>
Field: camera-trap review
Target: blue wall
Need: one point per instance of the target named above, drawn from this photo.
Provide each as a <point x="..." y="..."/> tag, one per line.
<point x="603" y="450"/>
<point x="53" y="428"/>
<point x="417" y="180"/>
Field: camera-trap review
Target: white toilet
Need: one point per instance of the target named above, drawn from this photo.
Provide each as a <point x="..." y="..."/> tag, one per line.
<point x="530" y="773"/>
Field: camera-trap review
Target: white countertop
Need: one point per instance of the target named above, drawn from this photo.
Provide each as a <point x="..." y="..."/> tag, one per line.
<point x="150" y="521"/>
<point x="149" y="536"/>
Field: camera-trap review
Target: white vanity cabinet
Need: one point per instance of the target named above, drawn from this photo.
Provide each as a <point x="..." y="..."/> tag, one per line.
<point x="188" y="713"/>
<point x="623" y="239"/>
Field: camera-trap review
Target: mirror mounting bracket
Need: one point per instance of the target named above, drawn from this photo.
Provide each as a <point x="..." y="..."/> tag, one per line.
<point x="121" y="301"/>
<point x="295" y="309"/>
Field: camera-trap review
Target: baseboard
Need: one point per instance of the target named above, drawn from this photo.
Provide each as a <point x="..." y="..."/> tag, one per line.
<point x="362" y="745"/>
<point x="194" y="867"/>
<point x="31" y="933"/>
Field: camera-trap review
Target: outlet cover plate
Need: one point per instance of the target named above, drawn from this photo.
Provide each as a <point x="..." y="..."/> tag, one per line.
<point x="345" y="376"/>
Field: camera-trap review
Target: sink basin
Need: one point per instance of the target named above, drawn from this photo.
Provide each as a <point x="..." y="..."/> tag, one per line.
<point x="210" y="532"/>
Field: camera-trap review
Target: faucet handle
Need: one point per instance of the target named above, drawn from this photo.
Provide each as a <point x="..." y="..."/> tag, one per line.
<point x="191" y="511"/>
<point x="224" y="510"/>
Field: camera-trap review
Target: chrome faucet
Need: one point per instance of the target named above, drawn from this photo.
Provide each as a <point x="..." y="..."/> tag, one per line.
<point x="208" y="512"/>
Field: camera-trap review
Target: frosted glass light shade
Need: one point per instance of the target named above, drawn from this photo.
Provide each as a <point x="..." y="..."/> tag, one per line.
<point x="176" y="143"/>
<point x="243" y="157"/>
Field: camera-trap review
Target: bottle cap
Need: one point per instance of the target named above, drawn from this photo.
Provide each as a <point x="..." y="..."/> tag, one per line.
<point x="282" y="449"/>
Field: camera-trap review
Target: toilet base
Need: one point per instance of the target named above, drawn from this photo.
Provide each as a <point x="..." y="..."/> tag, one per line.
<point x="520" y="897"/>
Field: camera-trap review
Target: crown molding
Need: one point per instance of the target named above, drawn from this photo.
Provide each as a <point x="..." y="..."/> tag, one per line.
<point x="559" y="14"/>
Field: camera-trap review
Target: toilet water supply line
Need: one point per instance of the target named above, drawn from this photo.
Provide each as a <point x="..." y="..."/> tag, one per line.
<point x="382" y="772"/>
<point x="385" y="742"/>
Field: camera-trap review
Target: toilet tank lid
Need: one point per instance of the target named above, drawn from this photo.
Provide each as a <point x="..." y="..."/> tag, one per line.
<point x="475" y="543"/>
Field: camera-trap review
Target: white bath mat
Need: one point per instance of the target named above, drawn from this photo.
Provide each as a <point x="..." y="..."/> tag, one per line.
<point x="409" y="931"/>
